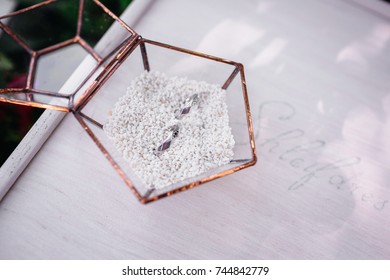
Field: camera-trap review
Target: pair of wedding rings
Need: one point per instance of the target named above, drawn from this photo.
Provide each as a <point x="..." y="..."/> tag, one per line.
<point x="174" y="130"/>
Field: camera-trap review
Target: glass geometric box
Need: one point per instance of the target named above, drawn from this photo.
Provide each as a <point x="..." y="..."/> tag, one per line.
<point x="110" y="70"/>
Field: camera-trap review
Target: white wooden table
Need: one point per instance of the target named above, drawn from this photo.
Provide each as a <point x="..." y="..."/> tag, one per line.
<point x="318" y="80"/>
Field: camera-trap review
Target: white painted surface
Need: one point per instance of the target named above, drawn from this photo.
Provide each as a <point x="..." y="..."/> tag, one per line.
<point x="318" y="79"/>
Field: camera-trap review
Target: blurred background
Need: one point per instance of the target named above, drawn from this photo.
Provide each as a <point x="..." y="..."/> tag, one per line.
<point x="40" y="28"/>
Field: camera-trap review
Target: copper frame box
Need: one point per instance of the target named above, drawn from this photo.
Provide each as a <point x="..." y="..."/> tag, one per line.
<point x="92" y="99"/>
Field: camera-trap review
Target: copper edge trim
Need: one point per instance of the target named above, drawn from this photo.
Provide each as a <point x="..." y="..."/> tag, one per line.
<point x="15" y="37"/>
<point x="231" y="78"/>
<point x="248" y="113"/>
<point x="211" y="57"/>
<point x="80" y="18"/>
<point x="57" y="46"/>
<point x="34" y="104"/>
<point x="121" y="22"/>
<point x="108" y="156"/>
<point x="32" y="7"/>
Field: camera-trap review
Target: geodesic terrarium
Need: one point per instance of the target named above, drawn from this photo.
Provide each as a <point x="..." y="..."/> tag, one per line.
<point x="95" y="98"/>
